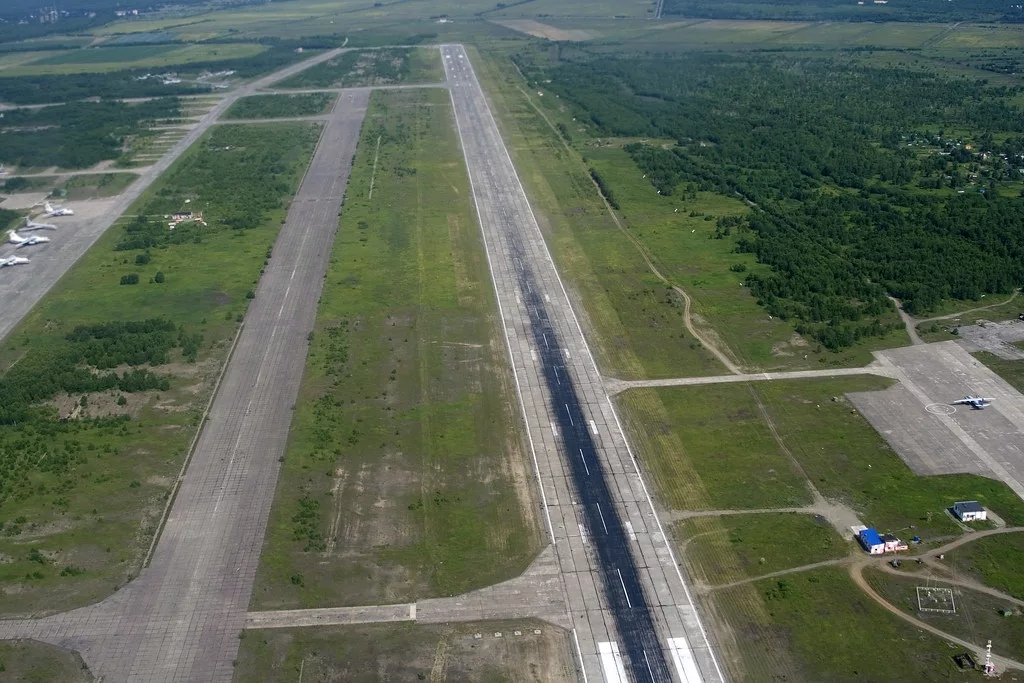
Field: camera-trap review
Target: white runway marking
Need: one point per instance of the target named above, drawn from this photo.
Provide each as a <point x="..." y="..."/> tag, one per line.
<point x="611" y="663"/>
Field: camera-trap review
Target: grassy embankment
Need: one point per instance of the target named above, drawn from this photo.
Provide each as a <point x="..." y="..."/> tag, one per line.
<point x="384" y="66"/>
<point x="281" y="106"/>
<point x="409" y="652"/>
<point x="80" y="497"/>
<point x="405" y="475"/>
<point x="29" y="661"/>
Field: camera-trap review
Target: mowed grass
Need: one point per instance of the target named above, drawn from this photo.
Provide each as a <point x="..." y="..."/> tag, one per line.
<point x="405" y="475"/>
<point x="281" y="106"/>
<point x="409" y="652"/>
<point x="818" y="626"/>
<point x="977" y="616"/>
<point x="29" y="661"/>
<point x="1010" y="370"/>
<point x="85" y="529"/>
<point x="103" y="59"/>
<point x="384" y="66"/>
<point x="720" y="550"/>
<point x="709" y="448"/>
<point x="996" y="561"/>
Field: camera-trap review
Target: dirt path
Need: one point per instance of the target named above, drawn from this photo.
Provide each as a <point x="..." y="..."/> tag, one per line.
<point x="857" y="575"/>
<point x="700" y="587"/>
<point x="615" y="386"/>
<point x="712" y="347"/>
<point x="908" y="321"/>
<point x="969" y="310"/>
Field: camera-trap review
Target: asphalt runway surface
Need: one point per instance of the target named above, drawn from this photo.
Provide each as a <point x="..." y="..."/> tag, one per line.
<point x="933" y="436"/>
<point x="181" y="618"/>
<point x="22" y="287"/>
<point x="633" y="617"/>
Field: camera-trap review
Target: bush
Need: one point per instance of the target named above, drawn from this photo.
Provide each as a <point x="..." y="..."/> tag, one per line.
<point x="159" y="277"/>
<point x="130" y="279"/>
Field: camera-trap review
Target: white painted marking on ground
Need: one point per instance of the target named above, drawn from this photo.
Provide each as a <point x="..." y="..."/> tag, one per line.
<point x="557" y="378"/>
<point x="623" y="583"/>
<point x="682" y="657"/>
<point x="584" y="462"/>
<point x="569" y="414"/>
<point x="533" y="354"/>
<point x="593" y="427"/>
<point x="567" y="353"/>
<point x="602" y="517"/>
<point x="629" y="530"/>
<point x="579" y="652"/>
<point x="412" y="612"/>
<point x="554" y="429"/>
<point x="611" y="662"/>
<point x="545" y="340"/>
<point x="583" y="534"/>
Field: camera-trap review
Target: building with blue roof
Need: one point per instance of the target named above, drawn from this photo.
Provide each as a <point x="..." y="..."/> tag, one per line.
<point x="871" y="541"/>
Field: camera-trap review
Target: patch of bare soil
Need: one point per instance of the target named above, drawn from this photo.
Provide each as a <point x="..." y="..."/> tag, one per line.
<point x="100" y="404"/>
<point x="539" y="30"/>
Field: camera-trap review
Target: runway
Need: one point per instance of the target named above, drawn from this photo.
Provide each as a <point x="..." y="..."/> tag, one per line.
<point x="633" y="618"/>
<point x="22" y="287"/>
<point x="180" y="619"/>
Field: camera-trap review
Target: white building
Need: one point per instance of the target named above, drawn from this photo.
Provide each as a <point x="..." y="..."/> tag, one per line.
<point x="969" y="511"/>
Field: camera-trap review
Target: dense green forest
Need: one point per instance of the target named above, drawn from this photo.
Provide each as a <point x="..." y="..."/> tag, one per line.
<point x="863" y="181"/>
<point x="847" y="10"/>
<point x="78" y="134"/>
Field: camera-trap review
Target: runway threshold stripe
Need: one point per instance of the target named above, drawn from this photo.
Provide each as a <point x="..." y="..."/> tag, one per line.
<point x="611" y="663"/>
<point x="682" y="657"/>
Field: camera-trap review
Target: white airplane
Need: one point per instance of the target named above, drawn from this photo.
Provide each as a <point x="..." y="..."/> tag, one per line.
<point x="12" y="261"/>
<point x="976" y="402"/>
<point x="59" y="211"/>
<point x="15" y="238"/>
<point x="32" y="225"/>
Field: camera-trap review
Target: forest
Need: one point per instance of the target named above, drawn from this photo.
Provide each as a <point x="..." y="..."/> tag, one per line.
<point x="77" y="134"/>
<point x="847" y="10"/>
<point x="863" y="181"/>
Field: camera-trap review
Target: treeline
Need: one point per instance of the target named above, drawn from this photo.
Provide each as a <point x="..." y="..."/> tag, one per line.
<point x="841" y="162"/>
<point x="75" y="366"/>
<point x="847" y="10"/>
<point x="78" y="134"/>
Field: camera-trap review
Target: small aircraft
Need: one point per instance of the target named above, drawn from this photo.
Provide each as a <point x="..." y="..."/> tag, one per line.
<point x="976" y="402"/>
<point x="15" y="238"/>
<point x="12" y="261"/>
<point x="56" y="211"/>
<point x="32" y="225"/>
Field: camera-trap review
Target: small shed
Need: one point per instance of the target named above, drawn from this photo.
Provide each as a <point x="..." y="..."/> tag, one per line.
<point x="871" y="541"/>
<point x="892" y="544"/>
<point x="969" y="511"/>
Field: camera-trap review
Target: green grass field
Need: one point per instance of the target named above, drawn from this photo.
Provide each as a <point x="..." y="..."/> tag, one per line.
<point x="733" y="547"/>
<point x="78" y="521"/>
<point x="405" y="475"/>
<point x="994" y="560"/>
<point x="386" y="66"/>
<point x="409" y="652"/>
<point x="281" y="106"/>
<point x="29" y="661"/>
<point x="977" y="616"/>
<point x="818" y="626"/>
<point x="103" y="59"/>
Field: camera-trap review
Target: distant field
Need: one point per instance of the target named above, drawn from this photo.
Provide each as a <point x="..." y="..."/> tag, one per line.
<point x="80" y="498"/>
<point x="405" y="475"/>
<point x="75" y="187"/>
<point x="29" y="661"/>
<point x="280" y="106"/>
<point x="409" y="652"/>
<point x="105" y="59"/>
<point x="386" y="66"/>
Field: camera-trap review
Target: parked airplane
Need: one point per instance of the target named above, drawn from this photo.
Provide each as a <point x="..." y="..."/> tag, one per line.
<point x="12" y="261"/>
<point x="15" y="238"/>
<point x="976" y="402"/>
<point x="32" y="225"/>
<point x="58" y="211"/>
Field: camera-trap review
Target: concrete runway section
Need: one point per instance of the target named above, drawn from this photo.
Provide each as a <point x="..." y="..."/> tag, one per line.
<point x="180" y="619"/>
<point x="933" y="436"/>
<point x="633" y="617"/>
<point x="21" y="287"/>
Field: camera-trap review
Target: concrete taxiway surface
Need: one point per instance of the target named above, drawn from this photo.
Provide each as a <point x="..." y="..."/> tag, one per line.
<point x="633" y="618"/>
<point x="22" y="287"/>
<point x="180" y="619"/>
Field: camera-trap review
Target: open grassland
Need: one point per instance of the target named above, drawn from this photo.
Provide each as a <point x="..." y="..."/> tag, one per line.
<point x="978" y="615"/>
<point x="710" y="448"/>
<point x="734" y="547"/>
<point x="104" y="59"/>
<point x="818" y="626"/>
<point x="97" y="415"/>
<point x="405" y="475"/>
<point x="526" y="651"/>
<point x="386" y="66"/>
<point x="634" y="323"/>
<point x="29" y="661"/>
<point x="1010" y="370"/>
<point x="281" y="106"/>
<point x="72" y="187"/>
<point x="996" y="561"/>
<point x="942" y="330"/>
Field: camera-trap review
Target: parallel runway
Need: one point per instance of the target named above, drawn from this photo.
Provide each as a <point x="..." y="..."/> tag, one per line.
<point x="180" y="619"/>
<point x="22" y="287"/>
<point x="632" y="614"/>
